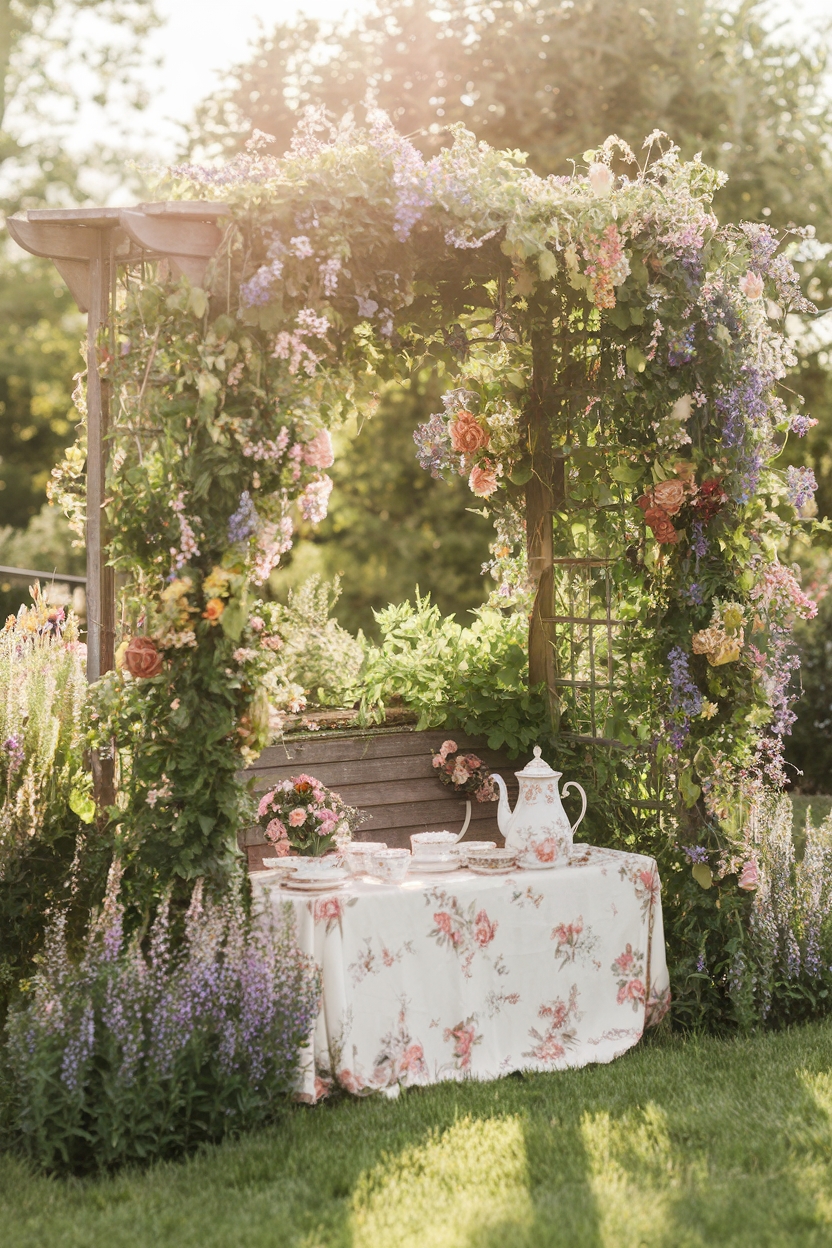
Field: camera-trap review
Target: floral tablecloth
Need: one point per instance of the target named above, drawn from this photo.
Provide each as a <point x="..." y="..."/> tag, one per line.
<point x="465" y="976"/>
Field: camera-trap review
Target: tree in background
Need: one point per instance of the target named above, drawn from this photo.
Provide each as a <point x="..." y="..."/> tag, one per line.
<point x="43" y="45"/>
<point x="46" y="48"/>
<point x="552" y="80"/>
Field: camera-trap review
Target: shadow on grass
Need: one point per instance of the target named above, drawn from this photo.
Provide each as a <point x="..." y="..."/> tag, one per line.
<point x="682" y="1145"/>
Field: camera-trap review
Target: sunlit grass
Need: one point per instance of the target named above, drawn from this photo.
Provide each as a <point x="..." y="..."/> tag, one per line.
<point x="697" y="1144"/>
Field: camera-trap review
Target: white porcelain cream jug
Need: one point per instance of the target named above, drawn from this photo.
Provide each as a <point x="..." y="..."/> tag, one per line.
<point x="538" y="829"/>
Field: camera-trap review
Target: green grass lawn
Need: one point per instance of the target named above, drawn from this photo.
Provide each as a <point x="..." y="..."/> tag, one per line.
<point x="677" y="1144"/>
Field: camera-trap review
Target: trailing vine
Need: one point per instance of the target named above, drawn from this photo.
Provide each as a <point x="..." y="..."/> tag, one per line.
<point x="607" y="308"/>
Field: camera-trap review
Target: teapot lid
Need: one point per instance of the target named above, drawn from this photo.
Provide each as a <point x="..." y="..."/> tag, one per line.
<point x="538" y="769"/>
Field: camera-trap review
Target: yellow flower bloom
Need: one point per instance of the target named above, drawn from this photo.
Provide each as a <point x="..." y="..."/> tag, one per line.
<point x="709" y="709"/>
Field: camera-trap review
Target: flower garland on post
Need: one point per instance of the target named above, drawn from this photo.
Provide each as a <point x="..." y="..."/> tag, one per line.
<point x="351" y="262"/>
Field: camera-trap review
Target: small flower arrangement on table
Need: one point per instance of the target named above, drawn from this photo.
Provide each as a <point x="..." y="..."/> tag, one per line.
<point x="301" y="816"/>
<point x="465" y="773"/>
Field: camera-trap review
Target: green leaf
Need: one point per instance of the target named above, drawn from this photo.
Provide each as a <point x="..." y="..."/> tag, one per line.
<point x="547" y="265"/>
<point x="198" y="301"/>
<point x="690" y="792"/>
<point x="702" y="873"/>
<point x="627" y="474"/>
<point x="636" y="360"/>
<point x="81" y="804"/>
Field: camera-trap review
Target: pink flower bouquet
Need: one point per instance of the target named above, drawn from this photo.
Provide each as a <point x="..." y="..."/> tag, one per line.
<point x="301" y="816"/>
<point x="465" y="773"/>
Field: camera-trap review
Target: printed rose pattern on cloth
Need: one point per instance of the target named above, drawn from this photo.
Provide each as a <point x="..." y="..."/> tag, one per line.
<point x="573" y="941"/>
<point x="464" y="931"/>
<point x="479" y="976"/>
<point x="464" y="1036"/>
<point x="629" y="967"/>
<point x="558" y="1020"/>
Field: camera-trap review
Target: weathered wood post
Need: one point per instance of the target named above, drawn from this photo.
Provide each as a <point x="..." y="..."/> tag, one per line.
<point x="86" y="245"/>
<point x="544" y="493"/>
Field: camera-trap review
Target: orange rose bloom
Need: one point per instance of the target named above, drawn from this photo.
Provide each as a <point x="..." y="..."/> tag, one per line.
<point x="483" y="479"/>
<point x="659" y="521"/>
<point x="669" y="495"/>
<point x="467" y="434"/>
<point x="214" y="608"/>
<point x="142" y="659"/>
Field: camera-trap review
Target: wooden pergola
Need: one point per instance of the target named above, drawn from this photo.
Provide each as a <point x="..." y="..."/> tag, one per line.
<point x="87" y="245"/>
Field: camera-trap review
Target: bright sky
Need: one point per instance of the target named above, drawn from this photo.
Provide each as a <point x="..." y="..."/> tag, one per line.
<point x="203" y="38"/>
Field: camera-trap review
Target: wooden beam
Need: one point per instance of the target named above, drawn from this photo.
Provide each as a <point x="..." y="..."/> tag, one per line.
<point x="544" y="491"/>
<point x="55" y="242"/>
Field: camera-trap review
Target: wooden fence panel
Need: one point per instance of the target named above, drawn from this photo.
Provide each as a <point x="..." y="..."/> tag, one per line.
<point x="389" y="774"/>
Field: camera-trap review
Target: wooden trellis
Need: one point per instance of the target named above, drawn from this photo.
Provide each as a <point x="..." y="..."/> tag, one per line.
<point x="87" y="245"/>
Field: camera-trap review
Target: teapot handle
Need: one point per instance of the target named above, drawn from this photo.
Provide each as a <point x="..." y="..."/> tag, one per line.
<point x="573" y="784"/>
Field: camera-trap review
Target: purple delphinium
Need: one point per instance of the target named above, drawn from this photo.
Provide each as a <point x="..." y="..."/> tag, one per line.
<point x="230" y="1008"/>
<point x="698" y="541"/>
<point x="680" y="348"/>
<point x="242" y="522"/>
<point x="800" y="486"/>
<point x="696" y="853"/>
<point x="685" y="698"/>
<point x="433" y="444"/>
<point x="13" y="749"/>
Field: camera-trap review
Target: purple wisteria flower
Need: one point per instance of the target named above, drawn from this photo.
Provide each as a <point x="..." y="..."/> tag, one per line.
<point x="685" y="698"/>
<point x="800" y="486"/>
<point x="680" y="348"/>
<point x="433" y="444"/>
<point x="15" y="753"/>
<point x="801" y="425"/>
<point x="242" y="522"/>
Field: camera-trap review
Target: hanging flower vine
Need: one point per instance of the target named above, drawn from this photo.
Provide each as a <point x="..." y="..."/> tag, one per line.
<point x="349" y="263"/>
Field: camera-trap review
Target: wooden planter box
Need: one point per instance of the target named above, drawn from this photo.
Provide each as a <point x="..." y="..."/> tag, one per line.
<point x="388" y="773"/>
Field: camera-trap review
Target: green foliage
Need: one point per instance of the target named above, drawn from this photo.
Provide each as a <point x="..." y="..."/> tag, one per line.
<point x="180" y="802"/>
<point x="688" y="1141"/>
<point x="810" y="747"/>
<point x="473" y="678"/>
<point x="49" y="856"/>
<point x="553" y="80"/>
<point x="40" y="335"/>
<point x="126" y="1055"/>
<point x="390" y="525"/>
<point x="317" y="653"/>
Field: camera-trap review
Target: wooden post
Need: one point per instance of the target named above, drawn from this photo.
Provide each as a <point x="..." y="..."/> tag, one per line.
<point x="544" y="492"/>
<point x="85" y="245"/>
<point x="100" y="581"/>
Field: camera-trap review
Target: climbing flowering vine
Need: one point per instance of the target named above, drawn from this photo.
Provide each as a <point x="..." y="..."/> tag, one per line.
<point x="607" y="309"/>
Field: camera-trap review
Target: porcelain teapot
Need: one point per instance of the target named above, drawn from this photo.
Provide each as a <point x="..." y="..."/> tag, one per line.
<point x="538" y="829"/>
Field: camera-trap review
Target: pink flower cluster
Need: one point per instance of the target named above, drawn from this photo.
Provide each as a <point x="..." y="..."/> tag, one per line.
<point x="778" y="591"/>
<point x="314" y="501"/>
<point x="464" y="772"/>
<point x="300" y="814"/>
<point x="607" y="267"/>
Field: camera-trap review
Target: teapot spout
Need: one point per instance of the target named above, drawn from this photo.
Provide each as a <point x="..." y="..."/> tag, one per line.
<point x="504" y="811"/>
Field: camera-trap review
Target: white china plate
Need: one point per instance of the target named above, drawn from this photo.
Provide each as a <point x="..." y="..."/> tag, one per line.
<point x="298" y="885"/>
<point x="538" y="866"/>
<point x="491" y="870"/>
<point x="432" y="866"/>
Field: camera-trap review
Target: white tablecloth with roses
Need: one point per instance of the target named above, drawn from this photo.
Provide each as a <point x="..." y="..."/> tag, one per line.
<point x="468" y="976"/>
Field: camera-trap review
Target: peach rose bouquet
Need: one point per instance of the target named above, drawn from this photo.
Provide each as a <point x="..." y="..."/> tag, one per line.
<point x="301" y="816"/>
